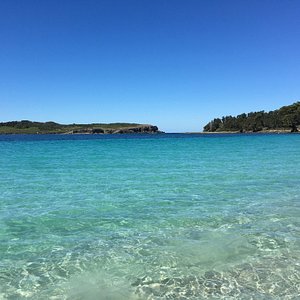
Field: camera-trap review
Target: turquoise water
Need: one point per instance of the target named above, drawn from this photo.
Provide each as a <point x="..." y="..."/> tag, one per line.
<point x="150" y="217"/>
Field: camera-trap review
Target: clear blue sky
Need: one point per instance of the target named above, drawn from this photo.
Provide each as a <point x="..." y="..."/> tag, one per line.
<point x="176" y="64"/>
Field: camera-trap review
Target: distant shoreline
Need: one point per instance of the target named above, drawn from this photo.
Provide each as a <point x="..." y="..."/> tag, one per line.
<point x="160" y="132"/>
<point x="80" y="133"/>
<point x="31" y="127"/>
<point x="245" y="132"/>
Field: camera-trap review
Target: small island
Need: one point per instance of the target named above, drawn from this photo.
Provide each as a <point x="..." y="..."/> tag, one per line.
<point x="29" y="127"/>
<point x="283" y="120"/>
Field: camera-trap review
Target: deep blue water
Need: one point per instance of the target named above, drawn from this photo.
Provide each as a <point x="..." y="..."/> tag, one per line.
<point x="171" y="216"/>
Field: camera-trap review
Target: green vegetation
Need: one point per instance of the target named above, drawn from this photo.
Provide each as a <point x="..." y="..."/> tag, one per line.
<point x="285" y="118"/>
<point x="29" y="127"/>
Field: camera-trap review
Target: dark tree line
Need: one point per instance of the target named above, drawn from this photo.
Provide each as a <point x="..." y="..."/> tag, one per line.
<point x="287" y="117"/>
<point x="29" y="124"/>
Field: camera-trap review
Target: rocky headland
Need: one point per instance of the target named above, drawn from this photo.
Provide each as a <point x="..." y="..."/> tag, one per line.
<point x="29" y="127"/>
<point x="136" y="129"/>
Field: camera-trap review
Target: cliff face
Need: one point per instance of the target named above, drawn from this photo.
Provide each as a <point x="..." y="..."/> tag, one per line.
<point x="136" y="129"/>
<point x="28" y="127"/>
<point x="139" y="129"/>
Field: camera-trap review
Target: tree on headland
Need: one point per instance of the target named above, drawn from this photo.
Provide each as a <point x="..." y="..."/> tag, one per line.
<point x="285" y="118"/>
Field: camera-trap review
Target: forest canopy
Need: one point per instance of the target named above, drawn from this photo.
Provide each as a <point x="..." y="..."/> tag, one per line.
<point x="285" y="118"/>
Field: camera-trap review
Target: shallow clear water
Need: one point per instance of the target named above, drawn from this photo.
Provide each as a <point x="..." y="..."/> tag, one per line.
<point x="150" y="217"/>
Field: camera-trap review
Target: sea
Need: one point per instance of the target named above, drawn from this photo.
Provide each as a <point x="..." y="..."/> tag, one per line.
<point x="157" y="216"/>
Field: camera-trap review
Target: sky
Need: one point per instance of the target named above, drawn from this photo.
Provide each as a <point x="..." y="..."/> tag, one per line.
<point x="176" y="64"/>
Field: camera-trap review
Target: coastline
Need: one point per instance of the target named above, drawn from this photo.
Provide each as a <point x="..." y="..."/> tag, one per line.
<point x="247" y="132"/>
<point x="155" y="133"/>
<point x="28" y="127"/>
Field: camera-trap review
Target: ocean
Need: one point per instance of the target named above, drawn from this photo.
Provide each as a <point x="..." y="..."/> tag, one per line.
<point x="167" y="216"/>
